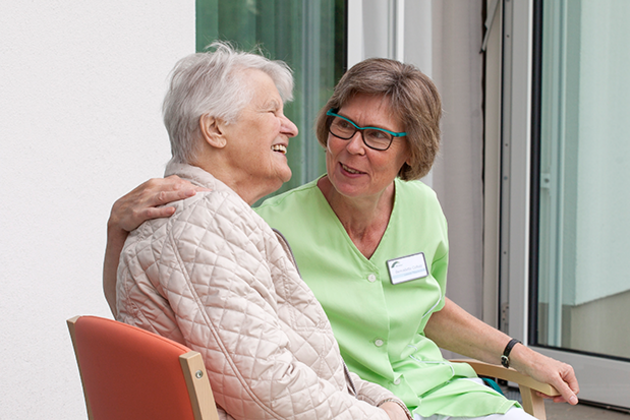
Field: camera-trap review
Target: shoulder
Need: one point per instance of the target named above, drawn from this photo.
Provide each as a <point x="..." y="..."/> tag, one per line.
<point x="217" y="212"/>
<point x="416" y="193"/>
<point x="416" y="187"/>
<point x="192" y="214"/>
<point x="291" y="196"/>
<point x="289" y="200"/>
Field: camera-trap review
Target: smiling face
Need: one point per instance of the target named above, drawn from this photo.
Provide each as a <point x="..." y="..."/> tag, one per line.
<point x="356" y="170"/>
<point x="257" y="142"/>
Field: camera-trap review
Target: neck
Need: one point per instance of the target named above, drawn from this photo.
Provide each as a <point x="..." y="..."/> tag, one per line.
<point x="247" y="189"/>
<point x="364" y="218"/>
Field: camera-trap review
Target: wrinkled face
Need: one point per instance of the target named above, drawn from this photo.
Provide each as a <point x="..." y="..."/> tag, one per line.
<point x="356" y="170"/>
<point x="257" y="142"/>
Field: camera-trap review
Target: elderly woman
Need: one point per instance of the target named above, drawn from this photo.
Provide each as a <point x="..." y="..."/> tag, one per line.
<point x="372" y="244"/>
<point x="216" y="277"/>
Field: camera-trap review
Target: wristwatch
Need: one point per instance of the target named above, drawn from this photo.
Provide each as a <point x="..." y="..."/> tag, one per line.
<point x="505" y="358"/>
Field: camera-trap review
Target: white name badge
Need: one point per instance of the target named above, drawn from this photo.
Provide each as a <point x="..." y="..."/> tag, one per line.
<point x="407" y="268"/>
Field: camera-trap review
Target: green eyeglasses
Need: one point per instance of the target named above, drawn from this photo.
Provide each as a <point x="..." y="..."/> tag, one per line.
<point x="373" y="137"/>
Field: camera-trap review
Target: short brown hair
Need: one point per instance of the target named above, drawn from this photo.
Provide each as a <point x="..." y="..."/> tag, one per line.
<point x="413" y="97"/>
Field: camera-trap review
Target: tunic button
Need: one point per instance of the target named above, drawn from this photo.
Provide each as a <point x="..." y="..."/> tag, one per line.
<point x="397" y="381"/>
<point x="371" y="278"/>
<point x="378" y="343"/>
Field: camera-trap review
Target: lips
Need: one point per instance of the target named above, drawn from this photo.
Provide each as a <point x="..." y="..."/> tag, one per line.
<point x="350" y="170"/>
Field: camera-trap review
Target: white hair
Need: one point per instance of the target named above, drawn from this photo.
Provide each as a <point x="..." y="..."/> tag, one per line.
<point x="212" y="83"/>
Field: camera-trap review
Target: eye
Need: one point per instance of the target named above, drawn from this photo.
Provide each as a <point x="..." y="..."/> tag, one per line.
<point x="377" y="135"/>
<point x="274" y="108"/>
<point x="343" y="124"/>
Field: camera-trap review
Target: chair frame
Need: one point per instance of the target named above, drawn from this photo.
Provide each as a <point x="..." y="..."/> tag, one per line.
<point x="533" y="403"/>
<point x="193" y="369"/>
<point x="204" y="407"/>
<point x="198" y="385"/>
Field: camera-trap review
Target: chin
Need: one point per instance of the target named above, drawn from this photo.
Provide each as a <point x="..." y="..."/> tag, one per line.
<point x="274" y="184"/>
<point x="285" y="175"/>
<point x="349" y="190"/>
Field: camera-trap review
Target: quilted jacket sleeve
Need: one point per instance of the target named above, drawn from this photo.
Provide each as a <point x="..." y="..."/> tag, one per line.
<point x="370" y="392"/>
<point x="214" y="268"/>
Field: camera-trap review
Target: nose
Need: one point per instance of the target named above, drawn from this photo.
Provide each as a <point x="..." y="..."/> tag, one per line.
<point x="355" y="144"/>
<point x="288" y="128"/>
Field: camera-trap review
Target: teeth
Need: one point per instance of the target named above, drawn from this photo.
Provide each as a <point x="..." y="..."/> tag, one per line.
<point x="279" y="148"/>
<point x="352" y="171"/>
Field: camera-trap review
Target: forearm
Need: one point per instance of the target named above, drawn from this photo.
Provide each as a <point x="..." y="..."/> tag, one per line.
<point x="371" y="392"/>
<point x="380" y="397"/>
<point x="454" y="329"/>
<point x="115" y="242"/>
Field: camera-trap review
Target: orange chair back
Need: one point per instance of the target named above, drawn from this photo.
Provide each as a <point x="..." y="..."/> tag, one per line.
<point x="130" y="373"/>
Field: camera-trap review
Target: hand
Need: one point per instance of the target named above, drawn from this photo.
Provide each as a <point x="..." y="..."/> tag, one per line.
<point x="550" y="371"/>
<point x="145" y="201"/>
<point x="394" y="411"/>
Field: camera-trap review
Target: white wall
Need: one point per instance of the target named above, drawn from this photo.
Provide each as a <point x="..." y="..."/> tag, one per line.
<point x="81" y="85"/>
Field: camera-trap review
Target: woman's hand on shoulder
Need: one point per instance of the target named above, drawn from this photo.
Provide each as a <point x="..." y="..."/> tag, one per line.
<point x="145" y="202"/>
<point x="548" y="370"/>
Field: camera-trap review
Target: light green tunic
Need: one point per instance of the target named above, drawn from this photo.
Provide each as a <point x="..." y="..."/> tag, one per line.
<point x="379" y="326"/>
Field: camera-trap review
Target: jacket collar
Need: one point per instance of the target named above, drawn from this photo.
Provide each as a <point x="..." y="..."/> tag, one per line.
<point x="196" y="175"/>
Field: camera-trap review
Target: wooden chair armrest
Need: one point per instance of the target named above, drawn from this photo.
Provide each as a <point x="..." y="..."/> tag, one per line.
<point x="499" y="372"/>
<point x="199" y="389"/>
<point x="532" y="402"/>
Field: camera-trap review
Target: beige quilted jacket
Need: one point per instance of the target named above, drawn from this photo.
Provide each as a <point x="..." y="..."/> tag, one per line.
<point x="216" y="278"/>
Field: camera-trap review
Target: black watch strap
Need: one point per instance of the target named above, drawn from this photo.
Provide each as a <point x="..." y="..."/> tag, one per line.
<point x="505" y="358"/>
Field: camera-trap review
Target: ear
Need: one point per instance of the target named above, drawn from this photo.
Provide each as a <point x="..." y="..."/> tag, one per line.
<point x="212" y="131"/>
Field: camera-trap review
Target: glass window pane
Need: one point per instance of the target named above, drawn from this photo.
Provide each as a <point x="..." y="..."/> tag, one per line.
<point x="309" y="35"/>
<point x="584" y="230"/>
